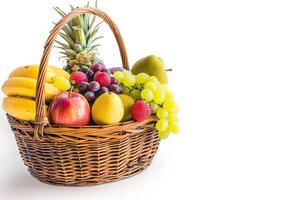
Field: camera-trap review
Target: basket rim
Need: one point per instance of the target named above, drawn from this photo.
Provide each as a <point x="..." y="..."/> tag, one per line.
<point x="78" y="134"/>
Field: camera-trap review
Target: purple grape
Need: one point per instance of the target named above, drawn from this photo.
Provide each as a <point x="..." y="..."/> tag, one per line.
<point x="102" y="90"/>
<point x="90" y="96"/>
<point x="97" y="67"/>
<point x="85" y="70"/>
<point x="83" y="86"/>
<point x="90" y="75"/>
<point x="121" y="88"/>
<point x="105" y="70"/>
<point x="116" y="69"/>
<point x="94" y="86"/>
<point x="113" y="80"/>
<point x="114" y="88"/>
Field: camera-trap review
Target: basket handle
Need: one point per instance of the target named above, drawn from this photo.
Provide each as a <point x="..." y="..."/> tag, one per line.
<point x="41" y="118"/>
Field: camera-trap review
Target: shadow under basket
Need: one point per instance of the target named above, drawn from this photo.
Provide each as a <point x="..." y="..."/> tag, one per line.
<point x="86" y="155"/>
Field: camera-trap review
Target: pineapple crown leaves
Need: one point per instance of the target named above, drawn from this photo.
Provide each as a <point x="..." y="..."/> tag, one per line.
<point x="79" y="38"/>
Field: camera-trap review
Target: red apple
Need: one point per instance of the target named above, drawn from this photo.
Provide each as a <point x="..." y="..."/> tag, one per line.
<point x="70" y="108"/>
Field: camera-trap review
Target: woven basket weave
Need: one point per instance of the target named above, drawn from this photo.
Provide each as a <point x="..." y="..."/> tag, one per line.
<point x="83" y="155"/>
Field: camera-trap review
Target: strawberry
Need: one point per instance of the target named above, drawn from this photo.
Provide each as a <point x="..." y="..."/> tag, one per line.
<point x="102" y="78"/>
<point x="140" y="111"/>
<point x="78" y="77"/>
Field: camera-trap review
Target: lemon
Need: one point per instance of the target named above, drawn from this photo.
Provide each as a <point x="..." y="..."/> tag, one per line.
<point x="128" y="102"/>
<point x="108" y="109"/>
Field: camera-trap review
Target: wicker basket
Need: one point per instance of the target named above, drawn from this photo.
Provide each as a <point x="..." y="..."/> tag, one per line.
<point x="84" y="155"/>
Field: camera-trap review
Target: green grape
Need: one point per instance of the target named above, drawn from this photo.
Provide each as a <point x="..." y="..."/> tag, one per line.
<point x="171" y="106"/>
<point x="162" y="125"/>
<point x="169" y="95"/>
<point x="159" y="87"/>
<point x="165" y="87"/>
<point x="163" y="134"/>
<point x="126" y="90"/>
<point x="62" y="84"/>
<point x="138" y="85"/>
<point x="129" y="81"/>
<point x="159" y="96"/>
<point x="119" y="76"/>
<point x="151" y="86"/>
<point x="125" y="80"/>
<point x="136" y="94"/>
<point x="126" y="73"/>
<point x="152" y="79"/>
<point x="174" y="127"/>
<point x="154" y="107"/>
<point x="161" y="113"/>
<point x="141" y="78"/>
<point x="147" y="95"/>
<point x="172" y="117"/>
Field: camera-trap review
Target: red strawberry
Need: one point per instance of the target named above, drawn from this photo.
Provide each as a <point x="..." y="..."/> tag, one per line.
<point x="140" y="111"/>
<point x="102" y="78"/>
<point x="78" y="77"/>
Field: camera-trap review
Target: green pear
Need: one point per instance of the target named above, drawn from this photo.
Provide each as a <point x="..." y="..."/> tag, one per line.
<point x="153" y="66"/>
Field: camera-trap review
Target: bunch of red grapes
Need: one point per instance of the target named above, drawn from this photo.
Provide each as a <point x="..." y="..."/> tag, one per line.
<point x="94" y="81"/>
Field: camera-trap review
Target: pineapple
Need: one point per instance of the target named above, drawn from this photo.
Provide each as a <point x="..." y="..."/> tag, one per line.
<point x="79" y="37"/>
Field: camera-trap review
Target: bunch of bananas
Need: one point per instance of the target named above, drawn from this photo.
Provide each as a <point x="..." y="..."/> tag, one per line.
<point x="21" y="85"/>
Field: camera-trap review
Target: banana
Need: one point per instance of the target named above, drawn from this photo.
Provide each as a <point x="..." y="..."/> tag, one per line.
<point x="20" y="86"/>
<point x="59" y="72"/>
<point x="20" y="108"/>
<point x="32" y="71"/>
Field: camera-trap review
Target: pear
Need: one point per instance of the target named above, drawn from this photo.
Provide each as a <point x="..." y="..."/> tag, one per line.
<point x="128" y="102"/>
<point x="107" y="109"/>
<point x="153" y="66"/>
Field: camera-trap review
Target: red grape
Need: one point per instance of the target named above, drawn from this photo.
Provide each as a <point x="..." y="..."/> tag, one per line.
<point x="113" y="80"/>
<point x="105" y="70"/>
<point x="102" y="90"/>
<point x="114" y="88"/>
<point x="83" y="86"/>
<point x="94" y="86"/>
<point x="97" y="67"/>
<point x="89" y="96"/>
<point x="85" y="70"/>
<point x="90" y="74"/>
<point x="116" y="69"/>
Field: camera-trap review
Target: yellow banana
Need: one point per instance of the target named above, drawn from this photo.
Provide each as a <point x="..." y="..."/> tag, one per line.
<point x="59" y="72"/>
<point x="20" y="108"/>
<point x="20" y="86"/>
<point x="32" y="71"/>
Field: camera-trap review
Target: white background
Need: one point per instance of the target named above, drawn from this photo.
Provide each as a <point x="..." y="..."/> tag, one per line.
<point x="236" y="78"/>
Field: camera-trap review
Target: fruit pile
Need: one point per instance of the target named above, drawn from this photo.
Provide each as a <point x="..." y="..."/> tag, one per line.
<point x="94" y="81"/>
<point x="86" y="92"/>
<point x="151" y="97"/>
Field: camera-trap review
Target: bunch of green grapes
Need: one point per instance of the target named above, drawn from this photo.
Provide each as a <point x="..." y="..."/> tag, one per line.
<point x="157" y="95"/>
